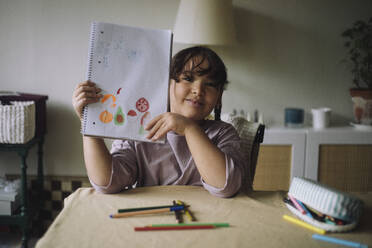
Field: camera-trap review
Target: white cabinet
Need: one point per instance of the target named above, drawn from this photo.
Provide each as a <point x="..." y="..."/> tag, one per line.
<point x="296" y="138"/>
<point x="307" y="146"/>
<point x="331" y="136"/>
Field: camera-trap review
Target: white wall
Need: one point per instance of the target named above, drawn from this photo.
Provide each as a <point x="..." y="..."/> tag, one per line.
<point x="288" y="55"/>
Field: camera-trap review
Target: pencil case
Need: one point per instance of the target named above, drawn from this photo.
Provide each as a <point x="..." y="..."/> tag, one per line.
<point x="327" y="208"/>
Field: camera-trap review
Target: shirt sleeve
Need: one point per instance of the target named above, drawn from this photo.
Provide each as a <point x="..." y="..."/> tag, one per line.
<point x="123" y="170"/>
<point x="229" y="142"/>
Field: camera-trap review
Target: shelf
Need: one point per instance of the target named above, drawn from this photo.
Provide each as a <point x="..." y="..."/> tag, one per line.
<point x="25" y="213"/>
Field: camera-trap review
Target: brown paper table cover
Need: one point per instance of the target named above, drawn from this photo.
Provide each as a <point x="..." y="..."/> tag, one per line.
<point x="256" y="221"/>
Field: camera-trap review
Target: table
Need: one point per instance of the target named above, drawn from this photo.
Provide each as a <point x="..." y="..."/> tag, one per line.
<point x="24" y="217"/>
<point x="256" y="221"/>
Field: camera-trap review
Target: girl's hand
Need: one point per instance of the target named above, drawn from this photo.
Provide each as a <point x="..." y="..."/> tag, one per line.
<point x="160" y="125"/>
<point x="85" y="93"/>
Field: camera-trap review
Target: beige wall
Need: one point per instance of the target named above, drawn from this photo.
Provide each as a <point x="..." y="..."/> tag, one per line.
<point x="288" y="55"/>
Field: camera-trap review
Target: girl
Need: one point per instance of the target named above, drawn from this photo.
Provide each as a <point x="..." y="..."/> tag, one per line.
<point x="197" y="151"/>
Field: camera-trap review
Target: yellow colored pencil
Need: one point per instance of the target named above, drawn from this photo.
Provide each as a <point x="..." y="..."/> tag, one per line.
<point x="187" y="211"/>
<point x="303" y="224"/>
<point x="188" y="214"/>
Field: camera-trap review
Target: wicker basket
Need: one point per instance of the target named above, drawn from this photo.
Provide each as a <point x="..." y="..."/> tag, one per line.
<point x="17" y="122"/>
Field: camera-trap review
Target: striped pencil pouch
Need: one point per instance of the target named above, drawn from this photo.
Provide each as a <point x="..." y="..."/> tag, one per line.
<point x="322" y="206"/>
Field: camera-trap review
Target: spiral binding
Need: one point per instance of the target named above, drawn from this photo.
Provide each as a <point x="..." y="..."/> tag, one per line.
<point x="89" y="70"/>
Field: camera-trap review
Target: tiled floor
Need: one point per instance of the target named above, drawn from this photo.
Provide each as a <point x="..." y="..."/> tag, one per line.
<point x="56" y="189"/>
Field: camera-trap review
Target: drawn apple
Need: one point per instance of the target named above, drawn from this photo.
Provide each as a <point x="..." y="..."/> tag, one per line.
<point x="142" y="105"/>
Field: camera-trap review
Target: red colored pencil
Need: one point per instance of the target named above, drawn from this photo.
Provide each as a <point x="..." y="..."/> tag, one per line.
<point x="162" y="228"/>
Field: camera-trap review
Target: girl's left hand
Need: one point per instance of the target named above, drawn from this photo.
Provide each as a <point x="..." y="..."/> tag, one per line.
<point x="161" y="124"/>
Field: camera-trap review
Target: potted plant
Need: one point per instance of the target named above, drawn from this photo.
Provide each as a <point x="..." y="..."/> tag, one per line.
<point x="359" y="49"/>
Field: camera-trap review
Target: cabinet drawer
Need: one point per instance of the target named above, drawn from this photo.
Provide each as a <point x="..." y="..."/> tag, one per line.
<point x="346" y="167"/>
<point x="273" y="168"/>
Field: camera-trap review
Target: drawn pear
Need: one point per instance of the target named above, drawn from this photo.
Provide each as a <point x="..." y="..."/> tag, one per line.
<point x="119" y="117"/>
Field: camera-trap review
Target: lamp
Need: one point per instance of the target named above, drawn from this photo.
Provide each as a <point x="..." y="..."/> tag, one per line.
<point x="204" y="22"/>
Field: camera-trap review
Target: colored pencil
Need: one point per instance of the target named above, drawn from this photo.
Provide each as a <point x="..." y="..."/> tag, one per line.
<point x="143" y="208"/>
<point x="222" y="224"/>
<point x="188" y="213"/>
<point x="296" y="204"/>
<point x="150" y="211"/>
<point x="178" y="214"/>
<point x="315" y="212"/>
<point x="339" y="241"/>
<point x="303" y="224"/>
<point x="305" y="209"/>
<point x="162" y="228"/>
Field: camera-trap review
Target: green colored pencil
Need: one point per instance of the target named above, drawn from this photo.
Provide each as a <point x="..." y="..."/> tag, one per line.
<point x="192" y="224"/>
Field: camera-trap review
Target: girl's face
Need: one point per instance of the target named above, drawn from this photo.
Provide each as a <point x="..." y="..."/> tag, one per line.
<point x="194" y="96"/>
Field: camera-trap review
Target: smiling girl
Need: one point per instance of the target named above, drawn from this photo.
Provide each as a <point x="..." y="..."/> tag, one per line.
<point x="196" y="152"/>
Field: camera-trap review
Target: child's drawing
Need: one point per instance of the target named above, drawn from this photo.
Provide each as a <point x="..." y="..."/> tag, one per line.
<point x="106" y="117"/>
<point x="100" y="46"/>
<point x="132" y="118"/>
<point x="119" y="117"/>
<point x="119" y="45"/>
<point x="124" y="62"/>
<point x="106" y="97"/>
<point x="107" y="49"/>
<point x="146" y="117"/>
<point x="105" y="62"/>
<point x="132" y="113"/>
<point x="133" y="54"/>
<point x="142" y="105"/>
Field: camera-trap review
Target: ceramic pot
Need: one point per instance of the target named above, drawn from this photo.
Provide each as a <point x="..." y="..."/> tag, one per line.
<point x="362" y="105"/>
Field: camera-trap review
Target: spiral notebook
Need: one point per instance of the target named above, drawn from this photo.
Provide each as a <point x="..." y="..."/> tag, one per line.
<point x="131" y="66"/>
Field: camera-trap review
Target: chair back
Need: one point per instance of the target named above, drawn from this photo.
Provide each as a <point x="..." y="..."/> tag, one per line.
<point x="252" y="134"/>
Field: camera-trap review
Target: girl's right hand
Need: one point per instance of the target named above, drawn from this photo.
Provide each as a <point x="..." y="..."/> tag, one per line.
<point x="85" y="93"/>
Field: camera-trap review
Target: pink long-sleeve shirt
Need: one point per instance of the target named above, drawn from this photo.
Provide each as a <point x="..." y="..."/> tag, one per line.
<point x="148" y="164"/>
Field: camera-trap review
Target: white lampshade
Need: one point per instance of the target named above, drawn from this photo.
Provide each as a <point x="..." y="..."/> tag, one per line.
<point x="205" y="22"/>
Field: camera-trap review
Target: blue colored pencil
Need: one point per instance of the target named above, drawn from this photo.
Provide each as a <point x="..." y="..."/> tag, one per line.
<point x="305" y="209"/>
<point x="178" y="214"/>
<point x="338" y="241"/>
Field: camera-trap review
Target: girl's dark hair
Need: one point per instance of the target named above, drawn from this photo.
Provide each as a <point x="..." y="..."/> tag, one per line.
<point x="216" y="69"/>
